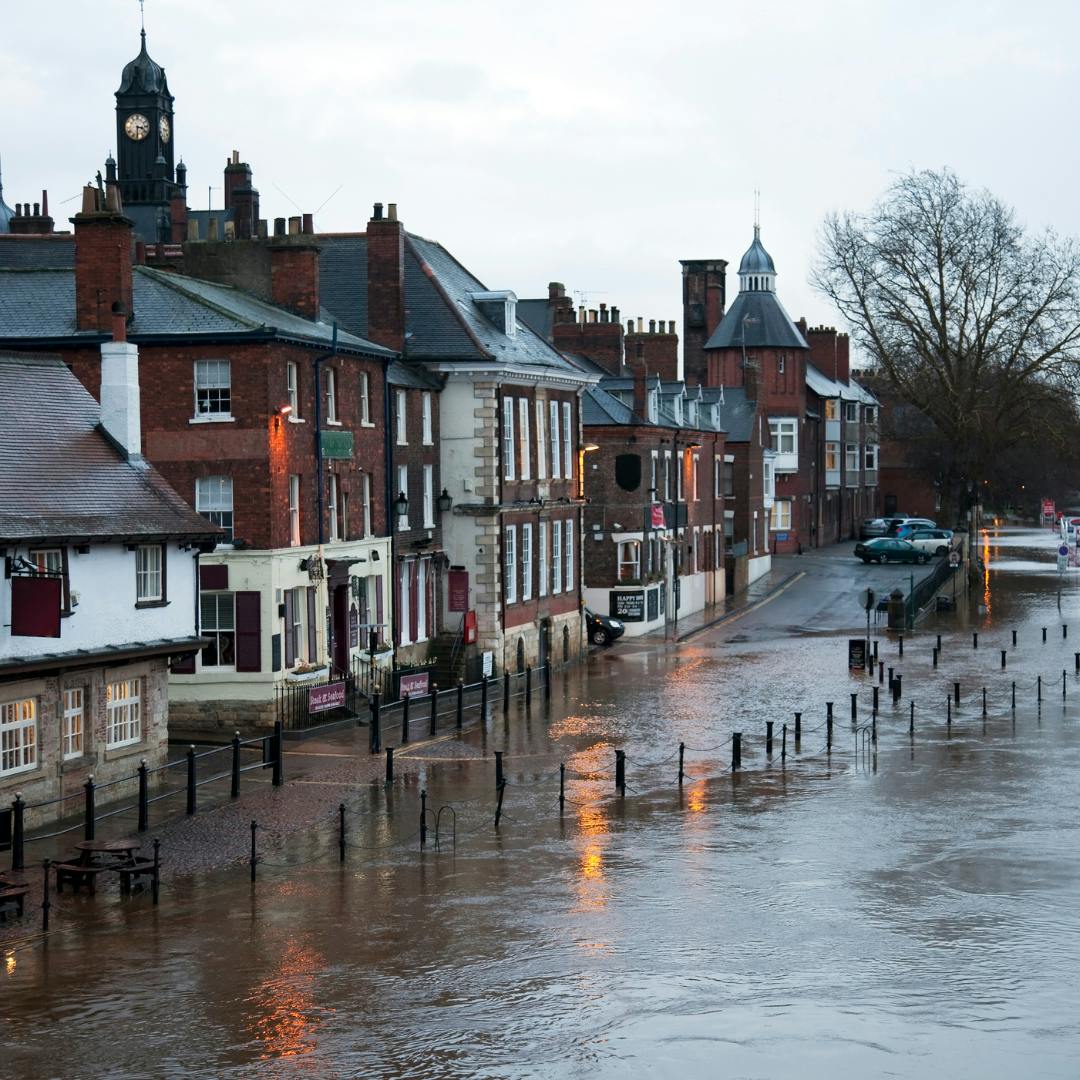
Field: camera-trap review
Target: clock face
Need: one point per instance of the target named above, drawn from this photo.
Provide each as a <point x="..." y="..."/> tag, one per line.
<point x="136" y="126"/>
<point x="164" y="129"/>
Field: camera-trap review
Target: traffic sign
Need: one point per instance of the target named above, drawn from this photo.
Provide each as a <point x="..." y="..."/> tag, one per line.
<point x="954" y="558"/>
<point x="866" y="599"/>
<point x="1064" y="551"/>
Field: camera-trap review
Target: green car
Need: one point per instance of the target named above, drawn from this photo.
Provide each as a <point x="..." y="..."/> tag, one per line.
<point x="885" y="549"/>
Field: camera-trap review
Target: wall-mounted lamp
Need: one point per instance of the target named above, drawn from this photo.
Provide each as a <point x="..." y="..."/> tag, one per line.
<point x="445" y="502"/>
<point x="589" y="447"/>
<point x="402" y="504"/>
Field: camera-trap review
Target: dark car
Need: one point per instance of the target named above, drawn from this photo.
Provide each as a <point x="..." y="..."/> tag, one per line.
<point x="885" y="549"/>
<point x="601" y="629"/>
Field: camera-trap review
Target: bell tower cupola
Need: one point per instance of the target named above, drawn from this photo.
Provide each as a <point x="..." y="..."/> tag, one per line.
<point x="757" y="272"/>
<point x="144" y="132"/>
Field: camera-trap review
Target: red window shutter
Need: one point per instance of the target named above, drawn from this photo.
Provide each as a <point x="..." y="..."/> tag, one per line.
<point x="399" y="572"/>
<point x="35" y="606"/>
<point x="290" y="645"/>
<point x="213" y="578"/>
<point x="312" y="635"/>
<point x="414" y="608"/>
<point x="248" y="636"/>
<point x="183" y="665"/>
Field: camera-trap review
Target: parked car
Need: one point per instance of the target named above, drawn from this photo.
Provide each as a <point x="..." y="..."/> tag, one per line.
<point x="901" y="527"/>
<point x="872" y="527"/>
<point x="887" y="549"/>
<point x="602" y="629"/>
<point x="935" y="541"/>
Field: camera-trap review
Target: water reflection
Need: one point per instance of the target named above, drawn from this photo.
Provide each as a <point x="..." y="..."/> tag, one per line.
<point x="284" y="1003"/>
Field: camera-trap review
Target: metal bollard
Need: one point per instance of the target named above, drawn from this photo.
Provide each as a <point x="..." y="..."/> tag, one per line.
<point x="389" y="766"/>
<point x="875" y="703"/>
<point x="736" y="750"/>
<point x="498" y="768"/>
<point x="881" y="672"/>
<point x="234" y="789"/>
<point x="375" y="734"/>
<point x="984" y="701"/>
<point x="155" y="881"/>
<point x="483" y="698"/>
<point x="1014" y="638"/>
<point x="144" y="800"/>
<point x="1044" y="635"/>
<point x="897" y="689"/>
<point x="434" y="729"/>
<point x="460" y="703"/>
<point x="279" y="754"/>
<point x="911" y="719"/>
<point x="18" y="832"/>
<point x="341" y="831"/>
<point x="956" y="692"/>
<point x="901" y="643"/>
<point x="768" y="738"/>
<point x="88" y="809"/>
<point x="1076" y="657"/>
<point x="1064" y="631"/>
<point x="875" y="650"/>
<point x="506" y="691"/>
<point x="828" y="735"/>
<point x="423" y="818"/>
<point x="547" y="681"/>
<point x="798" y="729"/>
<point x="975" y="639"/>
<point x="783" y="743"/>
<point x="854" y="708"/>
<point x="948" y="711"/>
<point x="1004" y="654"/>
<point x="404" y="719"/>
<point x="562" y="787"/>
<point x="620" y="772"/>
<point x="1038" y="684"/>
<point x="1014" y="697"/>
<point x="528" y="685"/>
<point x="937" y="644"/>
<point x="890" y="679"/>
<point x="46" y="902"/>
<point x="873" y="730"/>
<point x="254" y="858"/>
<point x="828" y="709"/>
<point x="935" y="657"/>
<point x="682" y="753"/>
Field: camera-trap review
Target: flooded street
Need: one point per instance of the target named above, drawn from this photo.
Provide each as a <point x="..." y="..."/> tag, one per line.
<point x="909" y="912"/>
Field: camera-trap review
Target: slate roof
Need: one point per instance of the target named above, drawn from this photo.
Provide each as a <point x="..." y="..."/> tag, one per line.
<point x="414" y="376"/>
<point x="737" y="414"/>
<point x="821" y="384"/>
<point x="41" y="304"/>
<point x="599" y="407"/>
<point x="442" y="322"/>
<point x="536" y="314"/>
<point x="32" y="252"/>
<point x="768" y="325"/>
<point x="64" y="479"/>
<point x="757" y="260"/>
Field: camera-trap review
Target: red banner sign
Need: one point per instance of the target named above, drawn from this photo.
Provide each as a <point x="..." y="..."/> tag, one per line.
<point x="324" y="698"/>
<point x="458" y="589"/>
<point x="415" y="684"/>
<point x="657" y="515"/>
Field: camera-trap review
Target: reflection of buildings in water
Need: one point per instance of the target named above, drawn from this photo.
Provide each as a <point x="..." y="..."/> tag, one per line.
<point x="590" y="883"/>
<point x="283" y="1021"/>
<point x="986" y="572"/>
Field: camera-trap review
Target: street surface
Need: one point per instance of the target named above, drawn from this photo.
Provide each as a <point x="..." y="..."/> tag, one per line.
<point x="908" y="910"/>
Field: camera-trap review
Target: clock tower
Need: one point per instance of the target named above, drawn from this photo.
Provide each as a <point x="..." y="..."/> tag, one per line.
<point x="144" y="133"/>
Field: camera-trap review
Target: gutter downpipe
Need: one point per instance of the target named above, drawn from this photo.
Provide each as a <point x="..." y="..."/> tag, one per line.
<point x="318" y="432"/>
<point x="392" y="599"/>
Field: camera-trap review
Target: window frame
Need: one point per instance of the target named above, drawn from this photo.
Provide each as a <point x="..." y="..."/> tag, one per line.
<point x="402" y="524"/>
<point x="870" y="454"/>
<point x="365" y="494"/>
<point x="556" y="557"/>
<point x="568" y="441"/>
<point x="781" y="516"/>
<point x="851" y="458"/>
<point x="292" y="388"/>
<point x="541" y="440"/>
<point x="365" y="400"/>
<point x="556" y="452"/>
<point x="294" y="510"/>
<point x="73" y="723"/>
<point x="526" y="561"/>
<point x="851" y="412"/>
<point x="216" y="631"/>
<point x="401" y="426"/>
<point x="429" y="496"/>
<point x="524" y="448"/>
<point x="426" y="430"/>
<point x="832" y="408"/>
<point x="510" y="564"/>
<point x="19" y="735"/>
<point x="569" y="581"/>
<point x="123" y="715"/>
<point x="541" y="558"/>
<point x="160" y="598"/>
<point x="331" y="395"/>
<point x="205" y="498"/>
<point x="781" y="428"/>
<point x="333" y="501"/>
<point x="509" y="443"/>
<point x="621" y="561"/>
<point x="208" y="387"/>
<point x="832" y="448"/>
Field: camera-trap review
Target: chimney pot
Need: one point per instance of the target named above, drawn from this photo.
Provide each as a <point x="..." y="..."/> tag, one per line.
<point x="556" y="290"/>
<point x="45" y="203"/>
<point x="230" y="230"/>
<point x="652" y="326"/>
<point x="37" y="209"/>
<point x="671" y="326"/>
<point x="614" y="314"/>
<point x="294" y="225"/>
<point x="376" y="213"/>
<point x="212" y="229"/>
<point x="629" y="326"/>
<point x="391" y="211"/>
<point x="120" y="388"/>
<point x="279" y="226"/>
<point x="236" y="157"/>
<point x="193" y="229"/>
<point x="309" y="224"/>
<point x="263" y="232"/>
<point x="581" y="313"/>
<point x="640" y="325"/>
<point x="592" y="315"/>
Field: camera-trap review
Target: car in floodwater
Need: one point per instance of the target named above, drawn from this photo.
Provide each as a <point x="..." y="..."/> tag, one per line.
<point x="884" y="549"/>
<point x="602" y="629"/>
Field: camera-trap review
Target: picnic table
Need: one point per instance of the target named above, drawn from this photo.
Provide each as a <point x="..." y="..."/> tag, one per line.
<point x="93" y="857"/>
<point x="12" y="896"/>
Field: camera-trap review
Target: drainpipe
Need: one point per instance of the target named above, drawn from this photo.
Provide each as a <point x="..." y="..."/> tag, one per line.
<point x="392" y="599"/>
<point x="319" y="360"/>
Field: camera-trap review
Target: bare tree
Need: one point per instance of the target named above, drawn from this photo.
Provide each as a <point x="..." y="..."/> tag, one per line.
<point x="960" y="310"/>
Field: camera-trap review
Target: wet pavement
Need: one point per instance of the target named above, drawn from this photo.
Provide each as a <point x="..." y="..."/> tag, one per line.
<point x="906" y="911"/>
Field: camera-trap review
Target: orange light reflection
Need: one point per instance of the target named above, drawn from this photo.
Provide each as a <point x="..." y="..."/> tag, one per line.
<point x="986" y="573"/>
<point x="284" y="1021"/>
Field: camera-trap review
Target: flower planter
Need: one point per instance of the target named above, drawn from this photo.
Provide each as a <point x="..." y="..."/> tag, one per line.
<point x="307" y="676"/>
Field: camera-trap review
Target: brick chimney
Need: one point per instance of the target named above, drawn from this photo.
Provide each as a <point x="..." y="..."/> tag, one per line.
<point x="656" y="349"/>
<point x="386" y="278"/>
<point x="704" y="292"/>
<point x="103" y="241"/>
<point x="119" y="390"/>
<point x="641" y="394"/>
<point x="36" y="220"/>
<point x="829" y="352"/>
<point x="294" y="271"/>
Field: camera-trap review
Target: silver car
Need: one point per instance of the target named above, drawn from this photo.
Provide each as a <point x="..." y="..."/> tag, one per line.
<point x="934" y="541"/>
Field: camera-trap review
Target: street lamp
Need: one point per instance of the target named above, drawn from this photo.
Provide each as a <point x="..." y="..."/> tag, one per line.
<point x="402" y="504"/>
<point x="445" y="502"/>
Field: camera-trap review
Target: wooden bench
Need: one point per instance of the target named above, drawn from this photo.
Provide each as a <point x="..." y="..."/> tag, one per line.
<point x="11" y="899"/>
<point x="78" y="874"/>
<point x="130" y="872"/>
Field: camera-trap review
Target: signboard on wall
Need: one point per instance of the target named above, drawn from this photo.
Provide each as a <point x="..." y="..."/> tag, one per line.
<point x="653" y="604"/>
<point x="354" y="627"/>
<point x="657" y="515"/>
<point x="418" y="682"/>
<point x="856" y="653"/>
<point x="457" y="583"/>
<point x="488" y="668"/>
<point x="628" y="606"/>
<point x="324" y="698"/>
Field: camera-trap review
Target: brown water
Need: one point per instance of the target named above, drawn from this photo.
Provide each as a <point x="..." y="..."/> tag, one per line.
<point x="910" y="913"/>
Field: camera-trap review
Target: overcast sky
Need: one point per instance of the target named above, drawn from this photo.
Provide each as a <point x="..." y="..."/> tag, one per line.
<point x="592" y="143"/>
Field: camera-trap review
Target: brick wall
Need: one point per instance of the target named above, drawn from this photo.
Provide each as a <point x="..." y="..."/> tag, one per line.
<point x="103" y="247"/>
<point x="704" y="298"/>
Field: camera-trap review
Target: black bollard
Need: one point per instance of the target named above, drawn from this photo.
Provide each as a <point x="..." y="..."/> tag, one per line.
<point x="935" y="657"/>
<point x="88" y="809"/>
<point x="1014" y="697"/>
<point x="875" y="650"/>
<point x="897" y="689"/>
<point x="620" y="772"/>
<point x="375" y="734"/>
<point x="1076" y="657"/>
<point x="389" y="766"/>
<point x="404" y="719"/>
<point x="460" y="703"/>
<point x="798" y="729"/>
<point x="1004" y="654"/>
<point x="423" y="817"/>
<point x="768" y="738"/>
<point x="1063" y="685"/>
<point x="1014" y="638"/>
<point x="948" y="711"/>
<point x="956" y="693"/>
<point x="234" y="789"/>
<point x="18" y="831"/>
<point x="828" y="735"/>
<point x="975" y="639"/>
<point x="547" y="681"/>
<point x="682" y="753"/>
<point x="911" y="719"/>
<point x="1044" y="635"/>
<point x="562" y="787"/>
<point x="498" y="768"/>
<point x="498" y="804"/>
<point x="828" y="710"/>
<point x="736" y="750"/>
<point x="874" y="708"/>
<point x="46" y="903"/>
<point x="890" y="679"/>
<point x="881" y="672"/>
<point x="155" y="881"/>
<point x="254" y="858"/>
<point x="528" y="685"/>
<point x="144" y="799"/>
<point x="506" y="691"/>
<point x="483" y="698"/>
<point x="900" y="641"/>
<point x="783" y="743"/>
<point x="1064" y="630"/>
<point x="434" y="729"/>
<point x="341" y="831"/>
<point x="191" y="780"/>
<point x="937" y="644"/>
<point x="984" y="701"/>
<point x="1038" y="691"/>
<point x="873" y="730"/>
<point x="279" y="754"/>
<point x="854" y="708"/>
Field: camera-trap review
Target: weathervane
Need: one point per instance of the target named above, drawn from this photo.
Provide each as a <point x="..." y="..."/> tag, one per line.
<point x="142" y="19"/>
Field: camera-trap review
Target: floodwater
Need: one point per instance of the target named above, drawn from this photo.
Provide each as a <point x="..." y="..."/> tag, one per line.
<point x="905" y="913"/>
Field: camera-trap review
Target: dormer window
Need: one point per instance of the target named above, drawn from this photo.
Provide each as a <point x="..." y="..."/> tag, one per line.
<point x="499" y="307"/>
<point x="651" y="407"/>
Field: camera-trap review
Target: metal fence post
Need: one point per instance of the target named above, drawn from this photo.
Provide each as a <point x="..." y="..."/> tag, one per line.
<point x="783" y="743"/>
<point x="483" y="698"/>
<point x="768" y="738"/>
<point x="562" y="787"/>
<point x="144" y="801"/>
<point x="234" y="791"/>
<point x="736" y="750"/>
<point x="341" y="831"/>
<point x="18" y="808"/>
<point x="375" y="734"/>
<point x="279" y="753"/>
<point x="404" y="719"/>
<point x="88" y="809"/>
<point x="434" y="709"/>
<point x="682" y="756"/>
<point x="389" y="766"/>
<point x="191" y="780"/>
<point x="828" y="735"/>
<point x="423" y="817"/>
<point x="854" y="707"/>
<point x="798" y="729"/>
<point x="620" y="772"/>
<point x="460" y="703"/>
